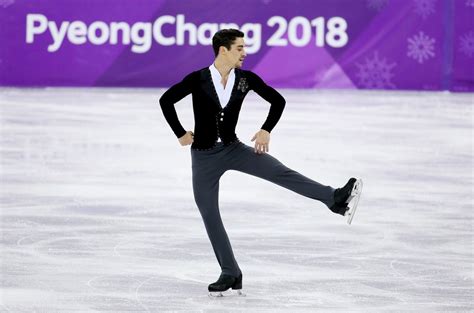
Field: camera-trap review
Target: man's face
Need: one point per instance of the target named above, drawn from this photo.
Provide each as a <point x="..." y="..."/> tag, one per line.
<point x="236" y="55"/>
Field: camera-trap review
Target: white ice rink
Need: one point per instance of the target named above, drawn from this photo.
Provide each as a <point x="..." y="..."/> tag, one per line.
<point x="97" y="211"/>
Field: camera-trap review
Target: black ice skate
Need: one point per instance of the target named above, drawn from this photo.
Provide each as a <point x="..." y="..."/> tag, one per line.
<point x="347" y="198"/>
<point x="224" y="283"/>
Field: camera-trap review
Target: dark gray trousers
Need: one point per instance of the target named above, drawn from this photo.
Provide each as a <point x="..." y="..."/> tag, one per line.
<point x="209" y="165"/>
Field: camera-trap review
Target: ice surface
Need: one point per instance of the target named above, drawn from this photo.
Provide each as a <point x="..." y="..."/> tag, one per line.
<point x="97" y="211"/>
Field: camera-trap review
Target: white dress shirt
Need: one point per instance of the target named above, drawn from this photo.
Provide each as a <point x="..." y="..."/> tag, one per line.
<point x="222" y="93"/>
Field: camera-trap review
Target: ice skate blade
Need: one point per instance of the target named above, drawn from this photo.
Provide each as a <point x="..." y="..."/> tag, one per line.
<point x="215" y="294"/>
<point x="227" y="293"/>
<point x="355" y="196"/>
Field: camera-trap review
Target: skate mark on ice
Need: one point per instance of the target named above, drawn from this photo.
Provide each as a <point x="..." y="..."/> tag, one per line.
<point x="405" y="277"/>
<point x="119" y="244"/>
<point x="137" y="298"/>
<point x="108" y="286"/>
<point x="2" y="306"/>
<point x="19" y="241"/>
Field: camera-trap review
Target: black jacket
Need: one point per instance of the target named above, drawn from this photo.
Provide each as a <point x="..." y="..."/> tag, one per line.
<point x="213" y="119"/>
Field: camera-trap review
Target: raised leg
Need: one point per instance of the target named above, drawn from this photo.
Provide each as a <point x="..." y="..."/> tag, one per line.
<point x="269" y="168"/>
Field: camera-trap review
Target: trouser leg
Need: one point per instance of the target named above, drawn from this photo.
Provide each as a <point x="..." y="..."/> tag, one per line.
<point x="206" y="175"/>
<point x="267" y="167"/>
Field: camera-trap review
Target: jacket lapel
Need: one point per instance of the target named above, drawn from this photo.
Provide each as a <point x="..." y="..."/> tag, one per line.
<point x="208" y="86"/>
<point x="236" y="83"/>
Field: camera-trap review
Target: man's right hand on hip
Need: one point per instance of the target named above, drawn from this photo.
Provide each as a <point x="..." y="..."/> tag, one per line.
<point x="186" y="139"/>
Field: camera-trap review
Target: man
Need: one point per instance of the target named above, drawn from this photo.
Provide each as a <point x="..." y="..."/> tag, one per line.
<point x="217" y="95"/>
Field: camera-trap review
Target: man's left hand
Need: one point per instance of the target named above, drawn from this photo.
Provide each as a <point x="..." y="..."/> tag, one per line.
<point x="262" y="141"/>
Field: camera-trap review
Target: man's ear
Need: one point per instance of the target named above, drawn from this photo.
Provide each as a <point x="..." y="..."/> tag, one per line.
<point x="222" y="50"/>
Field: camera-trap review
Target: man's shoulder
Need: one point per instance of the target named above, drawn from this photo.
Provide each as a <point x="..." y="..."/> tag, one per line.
<point x="244" y="72"/>
<point x="248" y="74"/>
<point x="252" y="77"/>
<point x="199" y="74"/>
<point x="195" y="73"/>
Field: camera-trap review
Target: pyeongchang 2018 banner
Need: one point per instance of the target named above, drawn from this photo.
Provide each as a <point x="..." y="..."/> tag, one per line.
<point x="354" y="44"/>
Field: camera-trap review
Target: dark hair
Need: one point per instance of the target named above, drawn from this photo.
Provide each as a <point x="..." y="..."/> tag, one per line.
<point x="225" y="37"/>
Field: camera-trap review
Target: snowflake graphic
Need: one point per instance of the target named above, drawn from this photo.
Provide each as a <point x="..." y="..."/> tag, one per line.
<point x="377" y="5"/>
<point x="6" y="3"/>
<point x="425" y="8"/>
<point x="470" y="3"/>
<point x="467" y="44"/>
<point x="375" y="73"/>
<point x="421" y="47"/>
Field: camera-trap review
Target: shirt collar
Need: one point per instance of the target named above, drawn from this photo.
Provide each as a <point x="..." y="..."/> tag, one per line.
<point x="216" y="73"/>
